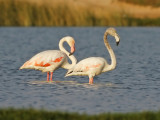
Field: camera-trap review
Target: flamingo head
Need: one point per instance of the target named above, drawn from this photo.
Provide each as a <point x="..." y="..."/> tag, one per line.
<point x="113" y="33"/>
<point x="71" y="43"/>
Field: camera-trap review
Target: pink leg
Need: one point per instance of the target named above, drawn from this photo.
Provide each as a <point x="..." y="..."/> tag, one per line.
<point x="51" y="76"/>
<point x="91" y="80"/>
<point x="48" y="76"/>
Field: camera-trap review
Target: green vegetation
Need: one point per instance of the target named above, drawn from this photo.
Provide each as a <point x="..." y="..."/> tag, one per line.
<point x="131" y="21"/>
<point x="27" y="13"/>
<point x="32" y="114"/>
<point x="144" y="22"/>
<point x="154" y="3"/>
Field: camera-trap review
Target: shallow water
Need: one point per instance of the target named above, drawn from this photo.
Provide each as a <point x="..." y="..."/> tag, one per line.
<point x="133" y="86"/>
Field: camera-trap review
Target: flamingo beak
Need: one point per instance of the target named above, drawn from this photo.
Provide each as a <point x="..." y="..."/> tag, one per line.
<point x="117" y="43"/>
<point x="72" y="50"/>
<point x="117" y="39"/>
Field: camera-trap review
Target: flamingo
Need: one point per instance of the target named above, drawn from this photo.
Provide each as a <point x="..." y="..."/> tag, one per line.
<point x="93" y="66"/>
<point x="50" y="60"/>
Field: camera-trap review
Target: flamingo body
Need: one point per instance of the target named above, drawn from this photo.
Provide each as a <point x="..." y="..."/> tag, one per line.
<point x="91" y="66"/>
<point x="46" y="61"/>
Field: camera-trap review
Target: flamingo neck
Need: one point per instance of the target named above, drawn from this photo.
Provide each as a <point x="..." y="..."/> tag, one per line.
<point x="67" y="65"/>
<point x="111" y="53"/>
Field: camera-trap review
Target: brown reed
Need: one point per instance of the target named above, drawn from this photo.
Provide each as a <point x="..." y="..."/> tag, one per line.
<point x="63" y="13"/>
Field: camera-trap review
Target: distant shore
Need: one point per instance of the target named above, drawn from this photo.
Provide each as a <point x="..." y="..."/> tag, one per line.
<point x="76" y="13"/>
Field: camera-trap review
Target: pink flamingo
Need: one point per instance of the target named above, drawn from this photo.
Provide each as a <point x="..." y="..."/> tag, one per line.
<point x="50" y="60"/>
<point x="93" y="66"/>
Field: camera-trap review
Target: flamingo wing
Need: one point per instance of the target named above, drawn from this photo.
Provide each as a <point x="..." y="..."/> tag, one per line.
<point x="45" y="61"/>
<point x="92" y="65"/>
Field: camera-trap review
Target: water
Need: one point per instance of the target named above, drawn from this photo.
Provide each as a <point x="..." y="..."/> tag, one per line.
<point x="133" y="86"/>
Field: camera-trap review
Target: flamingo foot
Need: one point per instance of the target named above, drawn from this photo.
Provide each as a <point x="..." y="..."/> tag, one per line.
<point x="91" y="80"/>
<point x="48" y="76"/>
<point x="51" y="76"/>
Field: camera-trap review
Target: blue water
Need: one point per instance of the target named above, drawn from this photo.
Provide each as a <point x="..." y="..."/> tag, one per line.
<point x="133" y="86"/>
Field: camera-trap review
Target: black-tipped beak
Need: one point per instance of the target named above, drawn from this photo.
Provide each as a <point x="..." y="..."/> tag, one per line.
<point x="72" y="50"/>
<point x="117" y="43"/>
<point x="70" y="54"/>
<point x="117" y="39"/>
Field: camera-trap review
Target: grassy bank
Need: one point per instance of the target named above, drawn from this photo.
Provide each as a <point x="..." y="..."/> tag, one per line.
<point x="31" y="114"/>
<point x="69" y="13"/>
<point x="143" y="21"/>
<point x="154" y="3"/>
<point x="24" y="13"/>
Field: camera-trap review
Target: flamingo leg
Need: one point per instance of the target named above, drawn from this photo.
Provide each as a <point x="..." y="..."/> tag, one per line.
<point x="48" y="76"/>
<point x="91" y="80"/>
<point x="51" y="76"/>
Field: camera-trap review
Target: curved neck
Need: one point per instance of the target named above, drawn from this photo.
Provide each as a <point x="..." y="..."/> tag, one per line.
<point x="66" y="65"/>
<point x="111" y="53"/>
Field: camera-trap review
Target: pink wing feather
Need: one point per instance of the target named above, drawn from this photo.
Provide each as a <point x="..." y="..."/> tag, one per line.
<point x="89" y="65"/>
<point x="45" y="59"/>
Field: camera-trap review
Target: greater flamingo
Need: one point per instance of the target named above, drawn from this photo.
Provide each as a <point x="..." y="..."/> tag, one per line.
<point x="50" y="60"/>
<point x="93" y="66"/>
